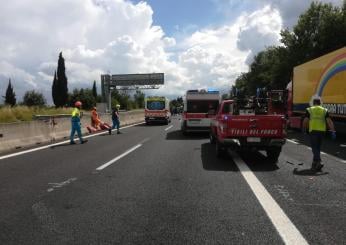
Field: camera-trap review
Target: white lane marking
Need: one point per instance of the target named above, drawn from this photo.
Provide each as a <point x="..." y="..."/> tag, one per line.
<point x="143" y="141"/>
<point x="323" y="153"/>
<point x="166" y="129"/>
<point x="287" y="230"/>
<point x="292" y="141"/>
<point x="59" y="185"/>
<point x="56" y="144"/>
<point x="118" y="157"/>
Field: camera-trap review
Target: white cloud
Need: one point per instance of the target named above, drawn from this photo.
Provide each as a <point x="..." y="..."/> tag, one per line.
<point x="290" y="10"/>
<point x="117" y="36"/>
<point x="260" y="29"/>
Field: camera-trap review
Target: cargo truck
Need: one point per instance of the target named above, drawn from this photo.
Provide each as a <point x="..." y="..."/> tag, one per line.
<point x="324" y="77"/>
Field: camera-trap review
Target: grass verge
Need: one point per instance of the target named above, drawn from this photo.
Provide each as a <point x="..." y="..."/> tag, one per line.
<point x="25" y="113"/>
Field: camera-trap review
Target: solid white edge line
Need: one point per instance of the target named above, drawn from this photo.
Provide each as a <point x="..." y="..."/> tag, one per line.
<point x="60" y="143"/>
<point x="292" y="141"/>
<point x="118" y="157"/>
<point x="166" y="129"/>
<point x="286" y="229"/>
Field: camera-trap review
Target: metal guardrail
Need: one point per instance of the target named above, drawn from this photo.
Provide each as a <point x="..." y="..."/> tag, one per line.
<point x="47" y="117"/>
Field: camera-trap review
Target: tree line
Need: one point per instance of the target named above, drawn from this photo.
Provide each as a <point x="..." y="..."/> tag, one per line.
<point x="62" y="98"/>
<point x="319" y="30"/>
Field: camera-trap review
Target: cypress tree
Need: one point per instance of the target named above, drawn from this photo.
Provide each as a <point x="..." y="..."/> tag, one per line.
<point x="62" y="82"/>
<point x="10" y="97"/>
<point x="94" y="90"/>
<point x="55" y="91"/>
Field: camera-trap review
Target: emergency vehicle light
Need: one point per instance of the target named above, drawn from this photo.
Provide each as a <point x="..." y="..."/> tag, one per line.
<point x="212" y="90"/>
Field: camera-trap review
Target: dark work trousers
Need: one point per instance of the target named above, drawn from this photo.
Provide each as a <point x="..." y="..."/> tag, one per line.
<point x="116" y="123"/>
<point x="316" y="141"/>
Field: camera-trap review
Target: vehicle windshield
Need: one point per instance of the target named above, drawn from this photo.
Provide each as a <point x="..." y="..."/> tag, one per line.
<point x="227" y="109"/>
<point x="155" y="105"/>
<point x="202" y="106"/>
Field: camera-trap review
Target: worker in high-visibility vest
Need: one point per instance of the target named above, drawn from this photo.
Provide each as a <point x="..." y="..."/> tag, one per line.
<point x="75" y="123"/>
<point x="316" y="120"/>
<point x="115" y="119"/>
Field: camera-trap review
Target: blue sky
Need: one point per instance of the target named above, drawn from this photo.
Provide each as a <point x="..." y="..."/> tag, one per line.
<point x="185" y="16"/>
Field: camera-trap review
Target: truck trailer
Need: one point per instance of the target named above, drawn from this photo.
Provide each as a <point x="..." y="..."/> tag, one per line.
<point x="324" y="77"/>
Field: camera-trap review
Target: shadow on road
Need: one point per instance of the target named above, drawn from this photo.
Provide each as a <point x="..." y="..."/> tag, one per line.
<point x="212" y="163"/>
<point x="308" y="172"/>
<point x="178" y="135"/>
<point x="62" y="145"/>
<point x="258" y="162"/>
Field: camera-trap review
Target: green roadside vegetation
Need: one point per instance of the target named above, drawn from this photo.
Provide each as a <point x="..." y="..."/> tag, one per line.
<point x="24" y="113"/>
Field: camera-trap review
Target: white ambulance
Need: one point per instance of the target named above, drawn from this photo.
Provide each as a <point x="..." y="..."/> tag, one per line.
<point x="200" y="106"/>
<point x="157" y="110"/>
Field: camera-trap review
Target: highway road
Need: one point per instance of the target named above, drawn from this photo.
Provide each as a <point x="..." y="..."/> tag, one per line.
<point x="151" y="185"/>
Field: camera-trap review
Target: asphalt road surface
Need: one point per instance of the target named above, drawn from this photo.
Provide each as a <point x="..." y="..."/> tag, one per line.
<point x="151" y="185"/>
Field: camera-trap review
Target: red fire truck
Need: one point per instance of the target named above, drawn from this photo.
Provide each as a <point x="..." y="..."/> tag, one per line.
<point x="240" y="127"/>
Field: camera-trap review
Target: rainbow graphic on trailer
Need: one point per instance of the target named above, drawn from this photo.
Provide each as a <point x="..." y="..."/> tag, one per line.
<point x="337" y="65"/>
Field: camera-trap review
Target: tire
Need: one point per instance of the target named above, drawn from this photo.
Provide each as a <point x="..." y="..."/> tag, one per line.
<point x="183" y="129"/>
<point x="166" y="122"/>
<point x="212" y="138"/>
<point x="220" y="149"/>
<point x="273" y="154"/>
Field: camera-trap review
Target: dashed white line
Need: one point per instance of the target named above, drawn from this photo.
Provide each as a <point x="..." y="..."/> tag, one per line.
<point x="56" y="144"/>
<point x="166" y="129"/>
<point x="118" y="157"/>
<point x="287" y="230"/>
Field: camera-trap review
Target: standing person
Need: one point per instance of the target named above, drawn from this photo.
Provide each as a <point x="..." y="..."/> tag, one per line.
<point x="115" y="119"/>
<point x="76" y="125"/>
<point x="316" y="119"/>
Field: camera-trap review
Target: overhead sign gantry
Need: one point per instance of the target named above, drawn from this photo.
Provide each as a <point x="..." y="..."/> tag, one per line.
<point x="129" y="82"/>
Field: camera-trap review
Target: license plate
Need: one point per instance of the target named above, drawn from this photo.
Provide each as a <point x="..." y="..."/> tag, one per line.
<point x="151" y="118"/>
<point x="253" y="139"/>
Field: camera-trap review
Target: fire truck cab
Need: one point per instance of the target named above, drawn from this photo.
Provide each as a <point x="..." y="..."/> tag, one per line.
<point x="200" y="106"/>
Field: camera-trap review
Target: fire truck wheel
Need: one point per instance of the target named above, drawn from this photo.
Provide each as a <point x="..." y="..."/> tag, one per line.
<point x="212" y="138"/>
<point x="273" y="154"/>
<point x="220" y="149"/>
